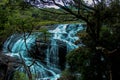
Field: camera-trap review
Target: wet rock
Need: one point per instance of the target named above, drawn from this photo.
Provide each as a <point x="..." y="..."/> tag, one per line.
<point x="7" y="66"/>
<point x="62" y="54"/>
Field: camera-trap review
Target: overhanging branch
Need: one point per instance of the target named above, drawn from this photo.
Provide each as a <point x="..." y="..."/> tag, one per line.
<point x="71" y="12"/>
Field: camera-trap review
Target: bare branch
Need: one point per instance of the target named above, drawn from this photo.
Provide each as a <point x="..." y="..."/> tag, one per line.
<point x="94" y="2"/>
<point x="70" y="11"/>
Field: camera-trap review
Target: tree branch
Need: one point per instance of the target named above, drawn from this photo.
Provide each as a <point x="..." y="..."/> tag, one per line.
<point x="70" y="11"/>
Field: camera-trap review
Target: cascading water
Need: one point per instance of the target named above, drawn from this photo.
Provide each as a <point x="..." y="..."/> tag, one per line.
<point x="18" y="44"/>
<point x="67" y="33"/>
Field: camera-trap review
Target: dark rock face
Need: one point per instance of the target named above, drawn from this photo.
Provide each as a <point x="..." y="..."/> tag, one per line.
<point x="62" y="50"/>
<point x="62" y="54"/>
<point x="38" y="51"/>
<point x="7" y="66"/>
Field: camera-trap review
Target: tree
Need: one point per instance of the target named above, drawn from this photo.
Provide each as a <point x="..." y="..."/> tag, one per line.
<point x="93" y="14"/>
<point x="97" y="14"/>
<point x="11" y="18"/>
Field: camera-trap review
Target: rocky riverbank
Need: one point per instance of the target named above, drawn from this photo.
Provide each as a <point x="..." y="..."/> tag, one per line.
<point x="7" y="66"/>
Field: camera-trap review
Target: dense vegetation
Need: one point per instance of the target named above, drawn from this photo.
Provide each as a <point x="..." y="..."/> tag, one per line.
<point x="100" y="57"/>
<point x="17" y="16"/>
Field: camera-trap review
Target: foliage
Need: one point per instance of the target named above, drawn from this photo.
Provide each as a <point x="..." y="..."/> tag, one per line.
<point x="11" y="18"/>
<point x="45" y="34"/>
<point x="99" y="62"/>
<point x="78" y="58"/>
<point x="92" y="65"/>
<point x="67" y="75"/>
<point x="103" y="25"/>
<point x="102" y="18"/>
<point x="17" y="16"/>
<point x="20" y="76"/>
<point x="106" y="37"/>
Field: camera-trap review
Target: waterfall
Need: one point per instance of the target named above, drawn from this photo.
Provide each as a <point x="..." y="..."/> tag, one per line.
<point x="67" y="33"/>
<point x="22" y="44"/>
